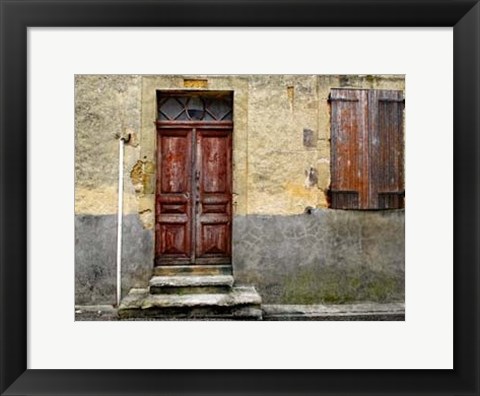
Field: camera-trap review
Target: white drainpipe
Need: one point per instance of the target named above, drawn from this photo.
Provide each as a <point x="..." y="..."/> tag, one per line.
<point x="121" y="147"/>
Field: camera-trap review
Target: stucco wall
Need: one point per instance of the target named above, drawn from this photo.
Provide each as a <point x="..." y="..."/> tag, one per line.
<point x="281" y="156"/>
<point x="107" y="107"/>
<point x="324" y="256"/>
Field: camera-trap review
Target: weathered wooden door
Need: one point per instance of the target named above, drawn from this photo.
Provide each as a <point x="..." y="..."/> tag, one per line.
<point x="194" y="192"/>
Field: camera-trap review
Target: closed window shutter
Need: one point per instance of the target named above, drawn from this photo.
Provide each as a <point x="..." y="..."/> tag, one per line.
<point x="366" y="149"/>
<point x="348" y="124"/>
<point x="386" y="178"/>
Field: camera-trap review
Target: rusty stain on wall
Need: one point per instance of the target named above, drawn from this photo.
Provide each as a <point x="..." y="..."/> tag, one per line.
<point x="297" y="190"/>
<point x="195" y="83"/>
<point x="136" y="174"/>
<point x="291" y="96"/>
<point x="143" y="177"/>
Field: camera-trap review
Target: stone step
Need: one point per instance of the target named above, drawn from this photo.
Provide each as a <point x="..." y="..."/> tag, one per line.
<point x="241" y="303"/>
<point x="340" y="312"/>
<point x="191" y="284"/>
<point x="172" y="270"/>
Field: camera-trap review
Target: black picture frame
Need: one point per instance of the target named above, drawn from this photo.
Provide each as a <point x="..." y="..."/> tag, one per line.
<point x="18" y="15"/>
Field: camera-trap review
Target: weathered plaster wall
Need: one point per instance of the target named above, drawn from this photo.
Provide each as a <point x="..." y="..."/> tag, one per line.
<point x="95" y="256"/>
<point x="334" y="256"/>
<point x="107" y="107"/>
<point x="281" y="162"/>
<point x="289" y="139"/>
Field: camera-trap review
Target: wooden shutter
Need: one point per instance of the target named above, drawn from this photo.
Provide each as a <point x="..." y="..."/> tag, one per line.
<point x="367" y="149"/>
<point x="348" y="125"/>
<point x="386" y="177"/>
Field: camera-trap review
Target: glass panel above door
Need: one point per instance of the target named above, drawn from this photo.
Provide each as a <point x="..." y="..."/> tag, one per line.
<point x="195" y="106"/>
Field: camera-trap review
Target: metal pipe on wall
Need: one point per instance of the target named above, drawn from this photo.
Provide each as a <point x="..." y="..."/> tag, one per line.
<point x="121" y="149"/>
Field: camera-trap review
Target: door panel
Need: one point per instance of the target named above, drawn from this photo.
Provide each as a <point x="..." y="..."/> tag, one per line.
<point x="213" y="162"/>
<point x="213" y="195"/>
<point x="174" y="198"/>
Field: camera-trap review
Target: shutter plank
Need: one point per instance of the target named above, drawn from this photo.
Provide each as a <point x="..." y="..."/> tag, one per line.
<point x="348" y="132"/>
<point x="386" y="150"/>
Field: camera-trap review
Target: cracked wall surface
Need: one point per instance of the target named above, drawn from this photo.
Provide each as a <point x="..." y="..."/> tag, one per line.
<point x="334" y="256"/>
<point x="281" y="170"/>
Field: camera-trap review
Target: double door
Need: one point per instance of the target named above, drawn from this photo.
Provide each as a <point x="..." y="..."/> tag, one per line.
<point x="193" y="194"/>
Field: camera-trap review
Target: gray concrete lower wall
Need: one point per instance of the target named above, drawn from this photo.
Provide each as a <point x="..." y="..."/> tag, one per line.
<point x="96" y="252"/>
<point x="328" y="256"/>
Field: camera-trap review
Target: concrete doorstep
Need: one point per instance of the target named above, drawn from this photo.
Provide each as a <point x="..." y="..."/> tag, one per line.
<point x="274" y="312"/>
<point x="239" y="303"/>
<point x="338" y="312"/>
